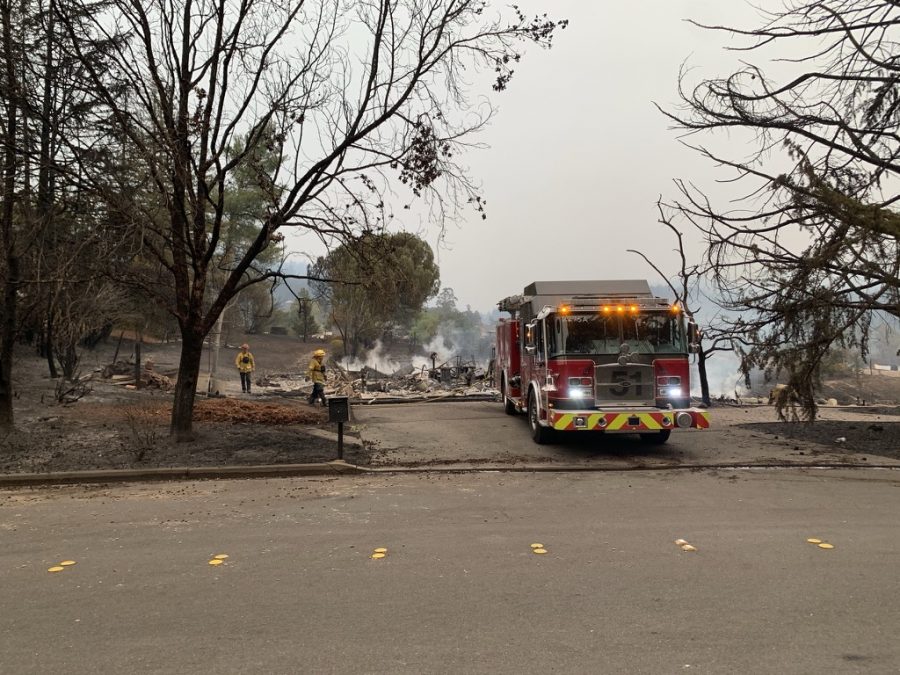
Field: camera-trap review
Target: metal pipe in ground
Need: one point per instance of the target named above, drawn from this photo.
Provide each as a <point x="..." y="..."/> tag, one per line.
<point x="340" y="440"/>
<point x="137" y="363"/>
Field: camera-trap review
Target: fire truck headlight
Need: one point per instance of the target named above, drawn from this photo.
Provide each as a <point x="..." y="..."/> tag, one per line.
<point x="674" y="392"/>
<point x="576" y="393"/>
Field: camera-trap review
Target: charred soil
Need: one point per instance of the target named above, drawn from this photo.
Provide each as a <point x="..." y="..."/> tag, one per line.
<point x="116" y="426"/>
<point x="880" y="437"/>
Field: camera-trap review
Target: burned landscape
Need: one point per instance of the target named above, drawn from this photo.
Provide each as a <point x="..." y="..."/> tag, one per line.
<point x="110" y="423"/>
<point x="115" y="425"/>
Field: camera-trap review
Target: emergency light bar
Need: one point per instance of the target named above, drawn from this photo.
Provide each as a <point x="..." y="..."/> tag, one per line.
<point x="620" y="309"/>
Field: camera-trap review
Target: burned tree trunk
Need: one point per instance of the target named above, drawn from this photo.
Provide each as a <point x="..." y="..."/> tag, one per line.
<point x="7" y="340"/>
<point x="704" y="380"/>
<point x="48" y="345"/>
<point x="11" y="277"/>
<point x="186" y="386"/>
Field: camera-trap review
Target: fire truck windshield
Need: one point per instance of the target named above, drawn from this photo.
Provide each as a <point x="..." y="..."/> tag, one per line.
<point x="644" y="333"/>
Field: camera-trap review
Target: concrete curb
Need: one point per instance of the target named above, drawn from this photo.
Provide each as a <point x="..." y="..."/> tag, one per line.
<point x="339" y="468"/>
<point x="580" y="468"/>
<point x="334" y="468"/>
<point x="398" y="400"/>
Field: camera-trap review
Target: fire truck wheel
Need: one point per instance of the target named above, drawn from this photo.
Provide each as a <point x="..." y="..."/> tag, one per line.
<point x="540" y="434"/>
<point x="508" y="406"/>
<point x="657" y="438"/>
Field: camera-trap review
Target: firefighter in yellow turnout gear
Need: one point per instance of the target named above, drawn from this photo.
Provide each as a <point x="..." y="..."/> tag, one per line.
<point x="316" y="373"/>
<point x="244" y="363"/>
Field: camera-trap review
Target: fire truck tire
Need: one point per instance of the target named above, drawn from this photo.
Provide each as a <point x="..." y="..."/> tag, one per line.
<point x="657" y="438"/>
<point x="508" y="406"/>
<point x="540" y="434"/>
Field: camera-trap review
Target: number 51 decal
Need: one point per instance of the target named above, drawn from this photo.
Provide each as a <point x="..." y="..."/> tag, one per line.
<point x="621" y="377"/>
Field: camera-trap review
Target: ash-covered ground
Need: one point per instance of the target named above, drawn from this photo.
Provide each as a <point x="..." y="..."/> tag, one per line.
<point x="118" y="426"/>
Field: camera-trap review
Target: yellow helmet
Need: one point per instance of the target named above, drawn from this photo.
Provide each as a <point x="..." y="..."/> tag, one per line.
<point x="319" y="352"/>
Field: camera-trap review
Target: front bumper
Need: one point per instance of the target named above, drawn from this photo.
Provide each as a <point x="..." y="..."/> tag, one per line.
<point x="637" y="420"/>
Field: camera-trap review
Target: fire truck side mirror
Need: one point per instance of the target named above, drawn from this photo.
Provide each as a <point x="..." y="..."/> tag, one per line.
<point x="693" y="338"/>
<point x="530" y="346"/>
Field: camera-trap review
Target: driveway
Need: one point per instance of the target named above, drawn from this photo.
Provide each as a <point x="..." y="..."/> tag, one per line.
<point x="480" y="434"/>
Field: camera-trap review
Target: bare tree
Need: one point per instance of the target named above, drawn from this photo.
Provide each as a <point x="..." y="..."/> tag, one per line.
<point x="304" y="322"/>
<point x="720" y="333"/>
<point x="47" y="221"/>
<point x="8" y="236"/>
<point x="351" y="97"/>
<point x="806" y="255"/>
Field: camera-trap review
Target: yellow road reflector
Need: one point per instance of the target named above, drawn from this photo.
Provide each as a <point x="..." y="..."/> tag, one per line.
<point x="813" y="540"/>
<point x="826" y="545"/>
<point x="680" y="542"/>
<point x="66" y="563"/>
<point x="377" y="556"/>
<point x="215" y="561"/>
<point x="55" y="568"/>
<point x="221" y="556"/>
<point x="688" y="547"/>
<point x="537" y="546"/>
<point x="539" y="550"/>
<point x="380" y="550"/>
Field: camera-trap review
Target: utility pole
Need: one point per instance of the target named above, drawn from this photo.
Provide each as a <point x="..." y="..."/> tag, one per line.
<point x="212" y="386"/>
<point x="137" y="360"/>
<point x="303" y="310"/>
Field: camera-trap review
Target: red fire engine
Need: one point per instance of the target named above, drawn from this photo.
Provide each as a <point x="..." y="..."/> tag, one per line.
<point x="596" y="356"/>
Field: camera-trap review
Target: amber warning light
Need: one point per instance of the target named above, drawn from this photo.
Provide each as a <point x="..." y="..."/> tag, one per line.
<point x="621" y="309"/>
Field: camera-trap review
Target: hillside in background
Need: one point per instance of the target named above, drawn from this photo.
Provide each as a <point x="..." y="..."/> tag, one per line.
<point x="286" y="290"/>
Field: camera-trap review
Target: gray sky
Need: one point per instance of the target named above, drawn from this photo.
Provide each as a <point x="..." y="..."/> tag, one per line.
<point x="578" y="154"/>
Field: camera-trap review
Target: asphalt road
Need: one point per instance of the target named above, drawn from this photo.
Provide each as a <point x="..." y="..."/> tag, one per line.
<point x="480" y="434"/>
<point x="460" y="590"/>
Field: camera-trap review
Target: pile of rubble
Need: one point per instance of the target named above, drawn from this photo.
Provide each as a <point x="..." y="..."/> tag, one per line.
<point x="367" y="385"/>
<point x="122" y="373"/>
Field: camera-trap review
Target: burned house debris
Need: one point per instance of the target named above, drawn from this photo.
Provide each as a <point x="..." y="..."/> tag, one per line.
<point x="124" y="373"/>
<point x="453" y="379"/>
<point x="375" y="378"/>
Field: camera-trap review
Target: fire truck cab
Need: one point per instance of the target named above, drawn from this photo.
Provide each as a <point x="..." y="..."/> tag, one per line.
<point x="603" y="356"/>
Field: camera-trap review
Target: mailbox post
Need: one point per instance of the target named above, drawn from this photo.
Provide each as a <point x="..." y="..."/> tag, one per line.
<point x="339" y="411"/>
